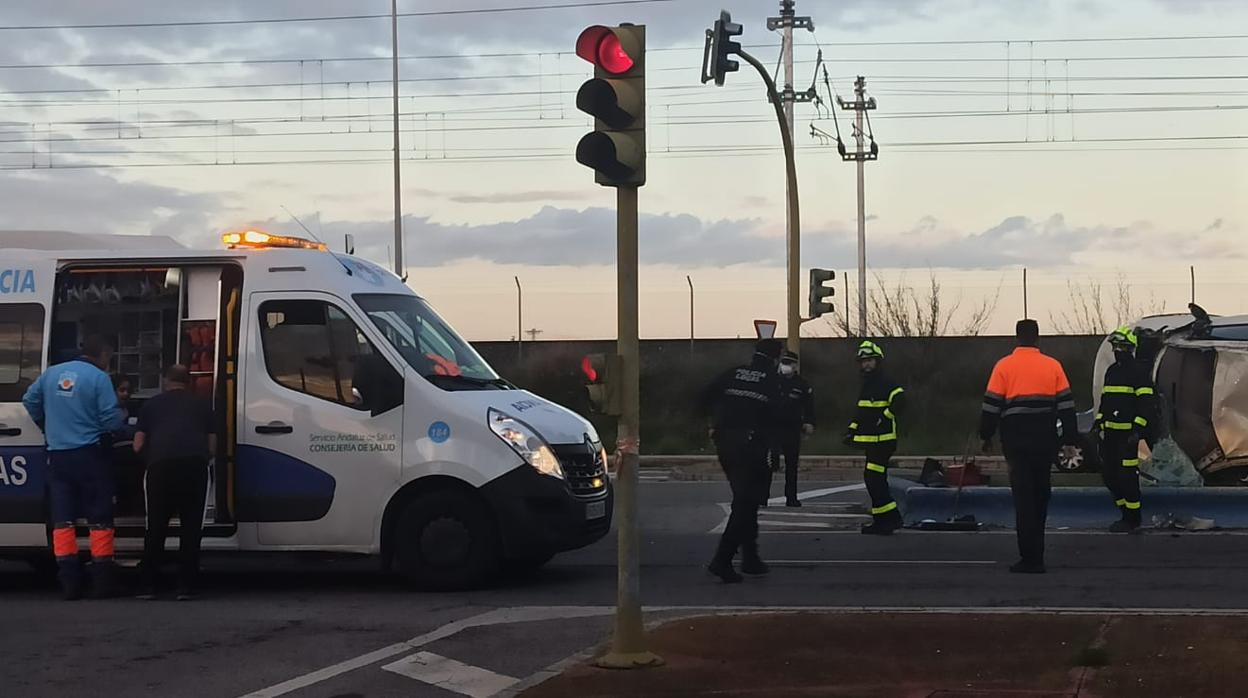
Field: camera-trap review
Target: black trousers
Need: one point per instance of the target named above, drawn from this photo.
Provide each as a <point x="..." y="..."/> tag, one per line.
<point x="175" y="486"/>
<point x="875" y="476"/>
<point x="786" y="444"/>
<point x="1031" y="483"/>
<point x="1120" y="469"/>
<point x="744" y="460"/>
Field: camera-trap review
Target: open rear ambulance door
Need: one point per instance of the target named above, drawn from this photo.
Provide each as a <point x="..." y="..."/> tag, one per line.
<point x="26" y="292"/>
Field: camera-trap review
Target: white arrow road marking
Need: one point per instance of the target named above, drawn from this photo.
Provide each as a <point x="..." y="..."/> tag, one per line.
<point x="451" y="675"/>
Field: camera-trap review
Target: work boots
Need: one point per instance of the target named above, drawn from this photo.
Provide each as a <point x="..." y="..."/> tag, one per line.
<point x="1129" y="523"/>
<point x="104" y="579"/>
<point x="724" y="571"/>
<point x="883" y="525"/>
<point x="69" y="574"/>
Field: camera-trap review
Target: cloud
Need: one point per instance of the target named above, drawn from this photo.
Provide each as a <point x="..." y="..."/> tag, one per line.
<point x="574" y="237"/>
<point x="502" y="197"/>
<point x="92" y="201"/>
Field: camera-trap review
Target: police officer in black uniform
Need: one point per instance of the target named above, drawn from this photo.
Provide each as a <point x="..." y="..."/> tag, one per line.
<point x="741" y="403"/>
<point x="795" y="417"/>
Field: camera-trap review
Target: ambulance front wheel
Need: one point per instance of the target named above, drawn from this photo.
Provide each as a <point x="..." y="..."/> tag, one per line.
<point x="446" y="541"/>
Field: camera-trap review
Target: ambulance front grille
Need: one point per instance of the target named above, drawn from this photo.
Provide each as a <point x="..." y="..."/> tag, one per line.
<point x="584" y="469"/>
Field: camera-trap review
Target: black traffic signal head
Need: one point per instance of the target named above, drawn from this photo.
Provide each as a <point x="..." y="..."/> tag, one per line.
<point x="716" y="63"/>
<point x="616" y="98"/>
<point x="820" y="294"/>
<point x="601" y="373"/>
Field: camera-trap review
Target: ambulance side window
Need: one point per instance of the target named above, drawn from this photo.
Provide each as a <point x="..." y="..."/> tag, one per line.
<point x="21" y="348"/>
<point x="315" y="348"/>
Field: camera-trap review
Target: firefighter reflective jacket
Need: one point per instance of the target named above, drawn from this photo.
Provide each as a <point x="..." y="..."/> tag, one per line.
<point x="879" y="403"/>
<point x="1128" y="402"/>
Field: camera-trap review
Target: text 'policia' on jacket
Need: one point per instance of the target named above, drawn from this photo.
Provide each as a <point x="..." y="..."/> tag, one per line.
<point x="743" y="397"/>
<point x="1128" y="402"/>
<point x="875" y="420"/>
<point x="1027" y="393"/>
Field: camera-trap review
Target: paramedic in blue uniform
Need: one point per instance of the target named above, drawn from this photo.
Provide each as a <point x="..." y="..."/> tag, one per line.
<point x="76" y="406"/>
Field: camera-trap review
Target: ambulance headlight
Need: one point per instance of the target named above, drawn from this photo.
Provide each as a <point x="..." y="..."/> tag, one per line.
<point x="526" y="442"/>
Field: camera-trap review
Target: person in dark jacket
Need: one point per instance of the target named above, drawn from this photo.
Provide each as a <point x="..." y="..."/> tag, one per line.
<point x="795" y="417"/>
<point x="741" y="403"/>
<point x="1027" y="394"/>
<point x="874" y="430"/>
<point x="1127" y="414"/>
<point x="175" y="436"/>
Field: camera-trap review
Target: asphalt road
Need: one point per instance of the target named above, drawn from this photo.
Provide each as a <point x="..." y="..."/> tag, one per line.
<point x="338" y="628"/>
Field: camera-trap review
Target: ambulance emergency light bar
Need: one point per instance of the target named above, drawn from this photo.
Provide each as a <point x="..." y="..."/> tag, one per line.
<point x="256" y="239"/>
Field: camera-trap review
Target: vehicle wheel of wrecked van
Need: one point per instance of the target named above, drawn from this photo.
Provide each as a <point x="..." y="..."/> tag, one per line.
<point x="446" y="540"/>
<point x="1083" y="459"/>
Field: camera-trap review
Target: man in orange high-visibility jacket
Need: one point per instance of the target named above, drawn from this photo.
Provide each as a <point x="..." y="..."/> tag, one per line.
<point x="1027" y="395"/>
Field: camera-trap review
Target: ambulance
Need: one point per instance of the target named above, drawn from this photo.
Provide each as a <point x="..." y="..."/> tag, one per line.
<point x="351" y="418"/>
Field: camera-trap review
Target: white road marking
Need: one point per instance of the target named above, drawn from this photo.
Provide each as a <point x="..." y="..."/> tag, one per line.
<point x="815" y="515"/>
<point x="451" y="675"/>
<point x="802" y="496"/>
<point x="815" y="494"/>
<point x="880" y="562"/>
<point x="500" y="616"/>
<point x="794" y="524"/>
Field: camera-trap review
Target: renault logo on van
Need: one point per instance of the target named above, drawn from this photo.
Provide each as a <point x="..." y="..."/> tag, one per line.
<point x="17" y="281"/>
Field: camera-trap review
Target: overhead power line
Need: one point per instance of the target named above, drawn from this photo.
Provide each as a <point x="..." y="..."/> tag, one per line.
<point x="329" y="18"/>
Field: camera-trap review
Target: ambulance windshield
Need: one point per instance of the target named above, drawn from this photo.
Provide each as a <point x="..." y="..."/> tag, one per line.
<point x="427" y="343"/>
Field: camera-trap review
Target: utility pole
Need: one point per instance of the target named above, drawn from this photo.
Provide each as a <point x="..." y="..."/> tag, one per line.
<point x="860" y="106"/>
<point x="689" y="279"/>
<point x="519" y="319"/>
<point x="1025" y="315"/>
<point x="394" y="92"/>
<point x="786" y="22"/>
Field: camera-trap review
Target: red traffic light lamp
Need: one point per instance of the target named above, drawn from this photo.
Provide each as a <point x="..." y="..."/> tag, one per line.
<point x="616" y="98"/>
<point x="605" y="49"/>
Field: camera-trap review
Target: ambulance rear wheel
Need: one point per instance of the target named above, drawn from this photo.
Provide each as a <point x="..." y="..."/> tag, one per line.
<point x="446" y="541"/>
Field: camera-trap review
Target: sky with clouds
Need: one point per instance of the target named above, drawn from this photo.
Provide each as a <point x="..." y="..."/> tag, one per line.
<point x="1016" y="148"/>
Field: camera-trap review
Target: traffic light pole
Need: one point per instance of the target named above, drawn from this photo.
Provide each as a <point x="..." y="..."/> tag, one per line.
<point x="628" y="646"/>
<point x="794" y="311"/>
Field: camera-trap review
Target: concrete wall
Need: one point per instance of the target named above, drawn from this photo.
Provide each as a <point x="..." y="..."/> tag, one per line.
<point x="944" y="379"/>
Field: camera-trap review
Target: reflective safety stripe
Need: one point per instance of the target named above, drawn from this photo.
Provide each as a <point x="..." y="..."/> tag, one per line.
<point x="1120" y="502"/>
<point x="871" y="439"/>
<point x="64" y="542"/>
<point x="1119" y="426"/>
<point x="1132" y="505"/>
<point x="876" y="511"/>
<point x="888" y="413"/>
<point x="101" y="543"/>
<point x="1141" y="421"/>
<point x="1144" y="391"/>
<point x="876" y="467"/>
<point x="895" y="393"/>
<point x="1124" y="389"/>
<point x="873" y="403"/>
<point x="853" y="425"/>
<point x="1130" y="462"/>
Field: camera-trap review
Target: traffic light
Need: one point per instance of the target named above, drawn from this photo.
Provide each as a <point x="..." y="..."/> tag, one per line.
<point x="716" y="63"/>
<point x="616" y="98"/>
<point x="602" y="375"/>
<point x="821" y="295"/>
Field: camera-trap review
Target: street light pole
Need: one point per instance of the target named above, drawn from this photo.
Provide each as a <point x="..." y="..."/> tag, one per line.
<point x="689" y="279"/>
<point x="519" y="319"/>
<point x="794" y="217"/>
<point x="394" y="91"/>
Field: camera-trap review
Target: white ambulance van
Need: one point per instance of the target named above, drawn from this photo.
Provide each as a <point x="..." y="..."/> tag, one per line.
<point x="351" y="418"/>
